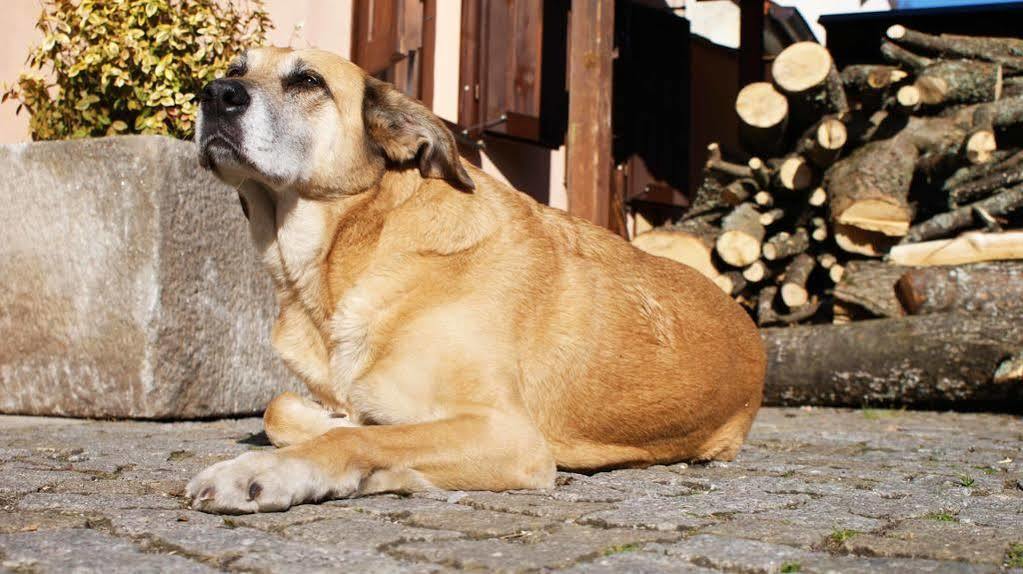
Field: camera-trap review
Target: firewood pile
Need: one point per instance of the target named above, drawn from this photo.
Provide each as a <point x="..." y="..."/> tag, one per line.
<point x="856" y="177"/>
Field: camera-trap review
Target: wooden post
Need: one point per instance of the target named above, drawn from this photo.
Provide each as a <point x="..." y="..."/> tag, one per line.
<point x="751" y="41"/>
<point x="591" y="46"/>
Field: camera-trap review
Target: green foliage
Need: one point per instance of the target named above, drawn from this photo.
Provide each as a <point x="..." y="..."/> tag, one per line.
<point x="791" y="567"/>
<point x="130" y="66"/>
<point x="620" y="548"/>
<point x="942" y="517"/>
<point x="1014" y="556"/>
<point x="839" y="536"/>
<point x="966" y="480"/>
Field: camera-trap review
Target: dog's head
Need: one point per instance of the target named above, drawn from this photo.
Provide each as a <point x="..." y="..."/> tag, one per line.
<point x="313" y="122"/>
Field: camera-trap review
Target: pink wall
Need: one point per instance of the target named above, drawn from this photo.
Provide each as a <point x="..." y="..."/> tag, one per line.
<point x="322" y="23"/>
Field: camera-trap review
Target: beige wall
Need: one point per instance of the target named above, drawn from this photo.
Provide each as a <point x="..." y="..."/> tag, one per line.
<point x="299" y="23"/>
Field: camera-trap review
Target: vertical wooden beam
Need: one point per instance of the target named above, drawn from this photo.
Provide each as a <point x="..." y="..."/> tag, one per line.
<point x="429" y="52"/>
<point x="591" y="47"/>
<point x="751" y="41"/>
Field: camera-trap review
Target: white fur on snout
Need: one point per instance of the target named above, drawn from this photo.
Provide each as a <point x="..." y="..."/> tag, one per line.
<point x="274" y="142"/>
<point x="283" y="481"/>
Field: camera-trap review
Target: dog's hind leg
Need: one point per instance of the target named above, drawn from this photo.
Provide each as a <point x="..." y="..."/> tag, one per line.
<point x="290" y="419"/>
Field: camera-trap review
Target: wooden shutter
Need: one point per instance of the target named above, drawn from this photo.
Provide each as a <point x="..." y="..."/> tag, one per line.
<point x="388" y="41"/>
<point x="515" y="68"/>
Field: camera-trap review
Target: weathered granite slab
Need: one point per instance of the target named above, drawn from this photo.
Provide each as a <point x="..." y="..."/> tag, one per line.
<point x="130" y="285"/>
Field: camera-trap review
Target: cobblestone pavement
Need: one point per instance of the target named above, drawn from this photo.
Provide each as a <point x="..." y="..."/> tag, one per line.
<point x="814" y="490"/>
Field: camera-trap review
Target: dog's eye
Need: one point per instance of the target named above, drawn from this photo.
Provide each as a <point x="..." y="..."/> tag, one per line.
<point x="305" y="80"/>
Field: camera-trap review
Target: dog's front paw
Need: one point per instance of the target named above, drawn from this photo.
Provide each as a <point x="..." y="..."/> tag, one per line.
<point x="259" y="482"/>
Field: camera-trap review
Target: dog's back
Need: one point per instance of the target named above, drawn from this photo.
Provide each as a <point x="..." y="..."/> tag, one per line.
<point x="628" y="359"/>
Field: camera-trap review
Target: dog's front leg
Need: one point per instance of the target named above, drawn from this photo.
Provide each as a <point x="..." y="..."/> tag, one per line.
<point x="468" y="452"/>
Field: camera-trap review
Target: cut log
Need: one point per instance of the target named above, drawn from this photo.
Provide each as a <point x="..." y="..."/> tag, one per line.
<point x="836" y="273"/>
<point x="826" y="260"/>
<point x="870" y="286"/>
<point x="981" y="145"/>
<point x="741" y="236"/>
<point x="806" y="72"/>
<point x="785" y="245"/>
<point x="793" y="289"/>
<point x="903" y="57"/>
<point x="767" y="315"/>
<point x="820" y="230"/>
<point x="933" y="361"/>
<point x="958" y="82"/>
<point x="966" y="216"/>
<point x="985" y="186"/>
<point x="771" y="217"/>
<point x="990" y="288"/>
<point x="866" y="78"/>
<point x="817" y="197"/>
<point x="731" y="282"/>
<point x="739" y="191"/>
<point x="1002" y="160"/>
<point x="795" y="173"/>
<point x="716" y="163"/>
<point x="763" y="114"/>
<point x="692" y="246"/>
<point x="908" y="99"/>
<point x="869" y="190"/>
<point x="756" y="272"/>
<point x="1011" y="370"/>
<point x="981" y="142"/>
<point x="1005" y="51"/>
<point x="852" y="239"/>
<point x="973" y="247"/>
<point x="764" y="199"/>
<point x="761" y="173"/>
<point x="824" y="142"/>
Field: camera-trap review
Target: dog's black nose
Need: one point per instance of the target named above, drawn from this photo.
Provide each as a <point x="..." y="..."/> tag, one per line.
<point x="226" y="96"/>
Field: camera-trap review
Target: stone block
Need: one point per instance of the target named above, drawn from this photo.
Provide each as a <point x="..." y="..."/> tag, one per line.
<point x="131" y="286"/>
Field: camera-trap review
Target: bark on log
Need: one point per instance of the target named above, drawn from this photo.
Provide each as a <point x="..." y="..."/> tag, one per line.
<point x="784" y="245"/>
<point x="985" y="186"/>
<point x="958" y="82"/>
<point x="793" y="288"/>
<point x="869" y="189"/>
<point x="903" y="57"/>
<point x="973" y="247"/>
<point x="761" y="173"/>
<point x="867" y="78"/>
<point x="870" y="285"/>
<point x="990" y="288"/>
<point x="763" y="116"/>
<point x="1002" y="160"/>
<point x="930" y="361"/>
<point x="739" y="191"/>
<point x="716" y="163"/>
<point x="962" y="217"/>
<point x="741" y="236"/>
<point x="1005" y="51"/>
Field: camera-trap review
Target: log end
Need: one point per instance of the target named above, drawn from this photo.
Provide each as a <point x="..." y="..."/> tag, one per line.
<point x="981" y="147"/>
<point x="896" y="32"/>
<point x="832" y="134"/>
<point x="908" y="98"/>
<point x="932" y="90"/>
<point x="877" y="215"/>
<point x="801" y="66"/>
<point x="737" y="248"/>
<point x="679" y="246"/>
<point x="794" y="295"/>
<point x="760" y="105"/>
<point x="795" y="174"/>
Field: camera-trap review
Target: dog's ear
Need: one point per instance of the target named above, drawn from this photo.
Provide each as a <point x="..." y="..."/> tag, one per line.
<point x="406" y="131"/>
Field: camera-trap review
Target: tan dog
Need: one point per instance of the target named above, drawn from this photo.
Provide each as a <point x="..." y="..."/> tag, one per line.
<point x="474" y="338"/>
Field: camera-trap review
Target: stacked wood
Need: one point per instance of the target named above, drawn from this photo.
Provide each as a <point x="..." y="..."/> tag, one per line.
<point x="854" y="176"/>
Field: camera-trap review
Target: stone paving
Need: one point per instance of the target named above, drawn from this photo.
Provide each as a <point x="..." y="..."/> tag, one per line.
<point x="814" y="490"/>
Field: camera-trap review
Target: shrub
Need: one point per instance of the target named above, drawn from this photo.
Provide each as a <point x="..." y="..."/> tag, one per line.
<point x="130" y="66"/>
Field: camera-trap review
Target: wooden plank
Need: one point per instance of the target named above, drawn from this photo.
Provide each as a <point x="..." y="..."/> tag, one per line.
<point x="591" y="45"/>
<point x="375" y="34"/>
